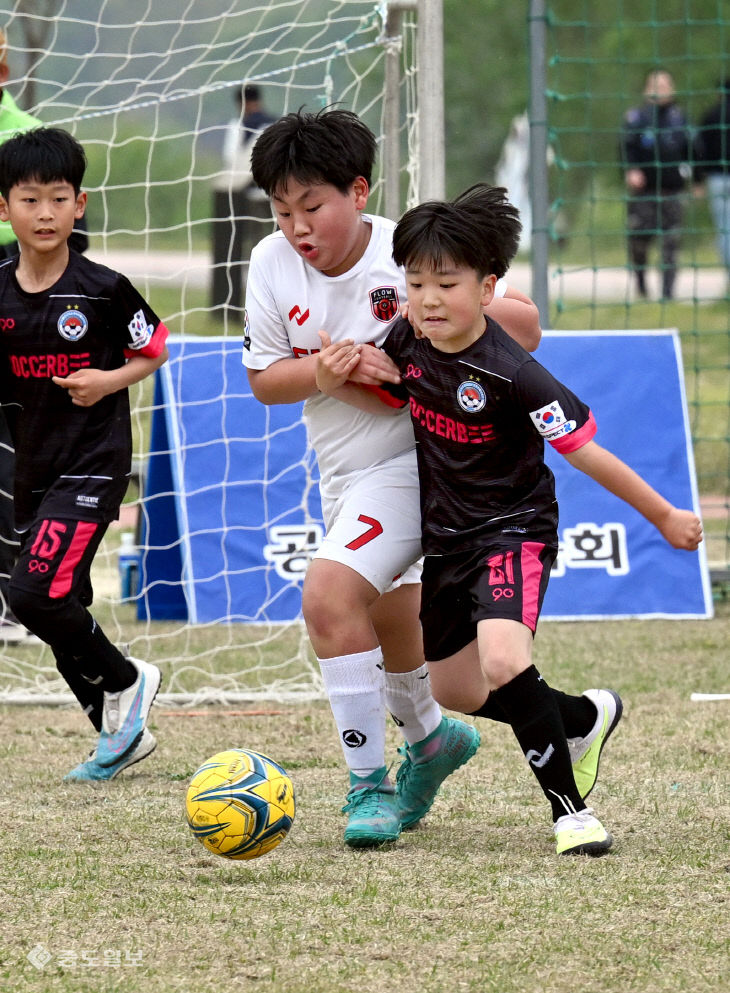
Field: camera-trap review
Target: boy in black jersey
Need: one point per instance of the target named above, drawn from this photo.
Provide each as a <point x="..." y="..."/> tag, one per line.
<point x="482" y="408"/>
<point x="74" y="336"/>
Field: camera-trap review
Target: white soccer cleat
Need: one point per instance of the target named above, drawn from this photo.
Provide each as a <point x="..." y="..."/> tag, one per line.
<point x="124" y="715"/>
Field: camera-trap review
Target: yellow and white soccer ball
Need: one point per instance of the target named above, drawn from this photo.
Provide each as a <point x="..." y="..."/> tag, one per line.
<point x="240" y="804"/>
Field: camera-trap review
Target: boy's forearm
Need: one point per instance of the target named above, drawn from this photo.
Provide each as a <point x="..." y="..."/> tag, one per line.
<point x="364" y="399"/>
<point x="87" y="386"/>
<point x="139" y="367"/>
<point x="285" y="381"/>
<point x="621" y="480"/>
<point x="681" y="528"/>
<point x="134" y="370"/>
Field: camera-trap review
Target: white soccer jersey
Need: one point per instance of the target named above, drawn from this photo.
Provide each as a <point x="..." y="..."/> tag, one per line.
<point x="288" y="302"/>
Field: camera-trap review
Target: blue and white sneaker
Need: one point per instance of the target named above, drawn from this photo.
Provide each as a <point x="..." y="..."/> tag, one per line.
<point x="124" y="715"/>
<point x="91" y="772"/>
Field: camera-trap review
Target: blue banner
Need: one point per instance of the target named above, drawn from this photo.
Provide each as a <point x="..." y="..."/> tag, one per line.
<point x="612" y="562"/>
<point x="231" y="511"/>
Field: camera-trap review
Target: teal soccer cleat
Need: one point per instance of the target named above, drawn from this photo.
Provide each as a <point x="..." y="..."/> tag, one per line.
<point x="373" y="811"/>
<point x="427" y="764"/>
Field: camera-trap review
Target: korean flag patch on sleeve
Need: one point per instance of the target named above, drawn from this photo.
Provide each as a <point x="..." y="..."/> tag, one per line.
<point x="551" y="422"/>
<point x="140" y="332"/>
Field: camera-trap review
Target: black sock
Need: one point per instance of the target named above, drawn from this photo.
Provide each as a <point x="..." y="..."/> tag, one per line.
<point x="94" y="656"/>
<point x="89" y="694"/>
<point x="578" y="713"/>
<point x="533" y="713"/>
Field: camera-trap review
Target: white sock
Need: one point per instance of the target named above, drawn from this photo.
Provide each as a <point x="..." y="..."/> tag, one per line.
<point x="409" y="700"/>
<point x="355" y="686"/>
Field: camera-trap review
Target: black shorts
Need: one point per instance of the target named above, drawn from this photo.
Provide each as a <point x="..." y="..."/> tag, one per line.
<point x="504" y="578"/>
<point x="56" y="556"/>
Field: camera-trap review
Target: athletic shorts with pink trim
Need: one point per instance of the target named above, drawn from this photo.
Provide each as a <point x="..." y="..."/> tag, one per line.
<point x="500" y="579"/>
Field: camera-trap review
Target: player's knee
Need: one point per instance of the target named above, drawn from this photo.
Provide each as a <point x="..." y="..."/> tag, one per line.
<point x="45" y="617"/>
<point x="26" y="606"/>
<point x="453" y="699"/>
<point x="329" y="601"/>
<point x="321" y="610"/>
<point x="500" y="669"/>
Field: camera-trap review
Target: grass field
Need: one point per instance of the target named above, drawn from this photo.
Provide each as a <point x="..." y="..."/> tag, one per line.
<point x="106" y="883"/>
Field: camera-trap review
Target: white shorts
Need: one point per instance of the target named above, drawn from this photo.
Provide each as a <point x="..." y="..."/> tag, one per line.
<point x="374" y="525"/>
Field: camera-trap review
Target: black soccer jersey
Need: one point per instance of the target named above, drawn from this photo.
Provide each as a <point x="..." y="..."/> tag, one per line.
<point x="74" y="459"/>
<point x="480" y="418"/>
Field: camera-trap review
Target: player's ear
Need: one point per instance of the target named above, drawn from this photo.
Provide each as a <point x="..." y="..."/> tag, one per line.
<point x="4" y="215"/>
<point x="361" y="191"/>
<point x="80" y="205"/>
<point x="488" y="285"/>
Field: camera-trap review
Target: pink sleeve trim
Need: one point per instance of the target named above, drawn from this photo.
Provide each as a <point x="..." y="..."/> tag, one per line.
<point x="576" y="439"/>
<point x="384" y="396"/>
<point x="155" y="345"/>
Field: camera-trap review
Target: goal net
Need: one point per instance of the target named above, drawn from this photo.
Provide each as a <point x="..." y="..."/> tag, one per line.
<point x="152" y="93"/>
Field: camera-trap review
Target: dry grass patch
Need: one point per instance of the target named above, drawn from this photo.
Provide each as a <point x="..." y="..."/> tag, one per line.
<point x="474" y="899"/>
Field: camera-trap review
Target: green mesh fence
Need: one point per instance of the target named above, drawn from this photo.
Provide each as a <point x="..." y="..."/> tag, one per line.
<point x="597" y="57"/>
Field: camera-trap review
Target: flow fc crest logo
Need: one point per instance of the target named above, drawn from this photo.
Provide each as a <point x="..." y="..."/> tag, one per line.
<point x="384" y="303"/>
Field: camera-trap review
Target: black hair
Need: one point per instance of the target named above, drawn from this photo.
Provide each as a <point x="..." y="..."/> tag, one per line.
<point x="46" y="155"/>
<point x="479" y="230"/>
<point x="331" y="146"/>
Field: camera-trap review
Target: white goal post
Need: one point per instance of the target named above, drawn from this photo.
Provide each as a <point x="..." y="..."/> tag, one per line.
<point x="150" y="91"/>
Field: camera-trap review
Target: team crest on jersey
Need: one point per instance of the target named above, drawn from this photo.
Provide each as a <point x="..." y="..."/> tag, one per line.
<point x="72" y="325"/>
<point x="384" y="303"/>
<point x="471" y="397"/>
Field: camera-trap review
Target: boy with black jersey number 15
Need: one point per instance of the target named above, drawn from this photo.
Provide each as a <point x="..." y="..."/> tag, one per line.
<point x="75" y="336"/>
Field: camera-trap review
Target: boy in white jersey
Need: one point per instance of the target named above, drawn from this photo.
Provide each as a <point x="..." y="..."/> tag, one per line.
<point x="330" y="267"/>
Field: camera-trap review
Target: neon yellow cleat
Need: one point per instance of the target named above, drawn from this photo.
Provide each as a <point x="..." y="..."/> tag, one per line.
<point x="585" y="753"/>
<point x="581" y="834"/>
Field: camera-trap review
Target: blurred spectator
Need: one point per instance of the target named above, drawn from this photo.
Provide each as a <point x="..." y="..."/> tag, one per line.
<point x="241" y="211"/>
<point x="712" y="166"/>
<point x="250" y="120"/>
<point x="655" y="151"/>
<point x="12" y="120"/>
